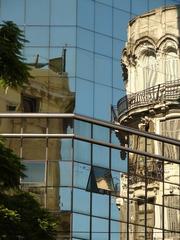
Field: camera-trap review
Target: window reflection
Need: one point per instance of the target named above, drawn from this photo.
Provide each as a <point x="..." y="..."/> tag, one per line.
<point x="80" y="148"/>
<point x="103" y="69"/>
<point x="100" y="205"/>
<point x="81" y="226"/>
<point x="86" y="14"/>
<point x="81" y="175"/>
<point x="63" y="12"/>
<point x="81" y="206"/>
<point x="17" y="15"/>
<point x="34" y="13"/>
<point x="100" y="180"/>
<point x="35" y="172"/>
<point x="37" y="36"/>
<point x="66" y="149"/>
<point x="65" y="198"/>
<point x="100" y="229"/>
<point x="65" y="179"/>
<point x="115" y="230"/>
<point x="63" y="36"/>
<point x="101" y="156"/>
<point x="103" y="13"/>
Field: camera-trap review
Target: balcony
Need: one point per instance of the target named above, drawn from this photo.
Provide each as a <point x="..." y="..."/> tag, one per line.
<point x="168" y="92"/>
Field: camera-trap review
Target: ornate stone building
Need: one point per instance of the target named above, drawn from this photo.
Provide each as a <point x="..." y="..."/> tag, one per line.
<point x="151" y="71"/>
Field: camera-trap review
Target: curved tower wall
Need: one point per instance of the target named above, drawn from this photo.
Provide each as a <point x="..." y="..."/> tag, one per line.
<point x="151" y="70"/>
<point x="152" y="49"/>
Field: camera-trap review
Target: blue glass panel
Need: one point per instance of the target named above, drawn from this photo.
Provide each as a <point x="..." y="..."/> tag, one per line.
<point x="116" y="162"/>
<point x="117" y="94"/>
<point x="80" y="148"/>
<point x="100" y="205"/>
<point x="103" y="45"/>
<point x="100" y="156"/>
<point x="108" y="2"/>
<point x="103" y="70"/>
<point x="85" y="39"/>
<point x="82" y="128"/>
<point x="63" y="36"/>
<point x="120" y="24"/>
<point x="124" y="5"/>
<point x="35" y="172"/>
<point x="34" y="13"/>
<point x="100" y="229"/>
<point x="65" y="179"/>
<point x="81" y="201"/>
<point x="63" y="12"/>
<point x="84" y="97"/>
<point x="86" y="14"/>
<point x="13" y="11"/>
<point x="160" y="3"/>
<point x="115" y="230"/>
<point x="103" y="101"/>
<point x="141" y="7"/>
<point x="103" y="13"/>
<point x="66" y="149"/>
<point x="85" y="64"/>
<point x="81" y="175"/>
<point x="118" y="46"/>
<point x="37" y="36"/>
<point x="100" y="133"/>
<point x="81" y="226"/>
<point x="65" y="199"/>
<point x="117" y="75"/>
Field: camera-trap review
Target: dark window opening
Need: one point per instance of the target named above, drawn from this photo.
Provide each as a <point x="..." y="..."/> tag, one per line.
<point x="11" y="108"/>
<point x="100" y="181"/>
<point x="30" y="104"/>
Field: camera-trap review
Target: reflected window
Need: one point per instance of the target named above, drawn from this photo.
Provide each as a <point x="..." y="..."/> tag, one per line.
<point x="11" y="108"/>
<point x="30" y="104"/>
<point x="34" y="173"/>
<point x="100" y="181"/>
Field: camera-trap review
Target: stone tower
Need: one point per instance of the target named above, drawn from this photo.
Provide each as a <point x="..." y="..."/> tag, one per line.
<point x="151" y="72"/>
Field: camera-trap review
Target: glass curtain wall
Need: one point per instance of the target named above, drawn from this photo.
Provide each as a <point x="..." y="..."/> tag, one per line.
<point x="87" y="36"/>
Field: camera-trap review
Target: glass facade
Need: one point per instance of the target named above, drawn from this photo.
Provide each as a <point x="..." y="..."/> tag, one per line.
<point x="79" y="169"/>
<point x="97" y="193"/>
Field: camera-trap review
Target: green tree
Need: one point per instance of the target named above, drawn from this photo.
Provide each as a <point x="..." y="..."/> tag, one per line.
<point x="14" y="72"/>
<point x="20" y="214"/>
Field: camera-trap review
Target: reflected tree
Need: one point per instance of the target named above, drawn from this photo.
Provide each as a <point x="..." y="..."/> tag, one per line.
<point x="21" y="216"/>
<point x="13" y="71"/>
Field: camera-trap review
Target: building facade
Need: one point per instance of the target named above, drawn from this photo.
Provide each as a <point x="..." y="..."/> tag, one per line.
<point x="150" y="62"/>
<point x="76" y="166"/>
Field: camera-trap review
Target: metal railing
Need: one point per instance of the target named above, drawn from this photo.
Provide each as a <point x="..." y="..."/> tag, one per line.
<point x="75" y="135"/>
<point x="161" y="93"/>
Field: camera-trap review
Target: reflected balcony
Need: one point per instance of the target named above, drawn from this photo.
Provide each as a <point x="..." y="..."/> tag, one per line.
<point x="157" y="97"/>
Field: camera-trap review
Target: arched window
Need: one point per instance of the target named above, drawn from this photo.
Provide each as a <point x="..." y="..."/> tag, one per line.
<point x="170" y="65"/>
<point x="168" y="49"/>
<point x="149" y="69"/>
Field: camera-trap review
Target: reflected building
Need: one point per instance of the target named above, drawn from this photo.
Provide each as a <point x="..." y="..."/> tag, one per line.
<point x="151" y="70"/>
<point x="47" y="92"/>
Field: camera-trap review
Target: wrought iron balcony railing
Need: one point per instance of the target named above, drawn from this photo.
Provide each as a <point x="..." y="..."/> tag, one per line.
<point x="161" y="93"/>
